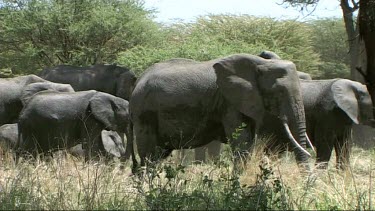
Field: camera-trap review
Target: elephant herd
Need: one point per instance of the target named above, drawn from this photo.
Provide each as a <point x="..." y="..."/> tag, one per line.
<point x="181" y="104"/>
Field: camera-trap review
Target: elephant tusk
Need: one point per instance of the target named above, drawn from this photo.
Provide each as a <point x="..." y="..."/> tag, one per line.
<point x="309" y="142"/>
<point x="290" y="136"/>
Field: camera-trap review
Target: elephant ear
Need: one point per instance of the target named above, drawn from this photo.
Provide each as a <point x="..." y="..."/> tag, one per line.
<point x="102" y="108"/>
<point x="236" y="79"/>
<point x="112" y="143"/>
<point x="345" y="98"/>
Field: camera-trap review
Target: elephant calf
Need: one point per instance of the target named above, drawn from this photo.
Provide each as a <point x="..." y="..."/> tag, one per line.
<point x="52" y="121"/>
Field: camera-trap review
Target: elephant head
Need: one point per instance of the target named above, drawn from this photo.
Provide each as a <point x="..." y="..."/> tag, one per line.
<point x="354" y="99"/>
<point x="254" y="85"/>
<point x="125" y="81"/>
<point x="34" y="88"/>
<point x="111" y="111"/>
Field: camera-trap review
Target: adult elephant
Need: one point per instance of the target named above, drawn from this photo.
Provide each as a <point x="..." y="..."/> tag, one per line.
<point x="10" y="96"/>
<point x="213" y="149"/>
<point x="35" y="88"/>
<point x="110" y="139"/>
<point x="54" y="120"/>
<point x="332" y="107"/>
<point x="186" y="104"/>
<point x="273" y="55"/>
<point x="111" y="79"/>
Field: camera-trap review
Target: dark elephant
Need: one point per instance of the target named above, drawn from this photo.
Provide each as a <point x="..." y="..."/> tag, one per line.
<point x="111" y="141"/>
<point x="10" y="96"/>
<point x="181" y="103"/>
<point x="54" y="120"/>
<point x="332" y="107"/>
<point x="111" y="79"/>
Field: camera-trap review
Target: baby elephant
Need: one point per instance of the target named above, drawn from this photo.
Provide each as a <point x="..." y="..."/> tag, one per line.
<point x="56" y="120"/>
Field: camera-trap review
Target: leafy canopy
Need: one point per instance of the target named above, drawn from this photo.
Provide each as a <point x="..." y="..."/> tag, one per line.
<point x="39" y="33"/>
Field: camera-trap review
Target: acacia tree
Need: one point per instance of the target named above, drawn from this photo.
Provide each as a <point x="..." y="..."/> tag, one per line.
<point x="39" y="33"/>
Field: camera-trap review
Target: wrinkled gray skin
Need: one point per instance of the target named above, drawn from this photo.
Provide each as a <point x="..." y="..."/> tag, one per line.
<point x="10" y="96"/>
<point x="55" y="120"/>
<point x="332" y="107"/>
<point x="181" y="103"/>
<point x="34" y="88"/>
<point x="111" y="79"/>
<point x="213" y="148"/>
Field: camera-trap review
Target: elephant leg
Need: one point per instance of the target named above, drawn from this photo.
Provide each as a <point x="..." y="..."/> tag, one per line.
<point x="91" y="139"/>
<point x="200" y="154"/>
<point x="146" y="142"/>
<point x="241" y="137"/>
<point x="324" y="149"/>
<point x="213" y="150"/>
<point x="342" y="150"/>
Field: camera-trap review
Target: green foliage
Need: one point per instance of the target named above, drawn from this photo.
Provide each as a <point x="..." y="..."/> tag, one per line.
<point x="221" y="35"/>
<point x="330" y="42"/>
<point x="39" y="33"/>
<point x="226" y="192"/>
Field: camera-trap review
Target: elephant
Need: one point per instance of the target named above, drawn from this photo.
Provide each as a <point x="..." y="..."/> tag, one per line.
<point x="10" y="96"/>
<point x="181" y="103"/>
<point x="34" y="88"/>
<point x="332" y="107"/>
<point x="214" y="148"/>
<point x="111" y="79"/>
<point x="273" y="55"/>
<point x="55" y="120"/>
<point x="111" y="140"/>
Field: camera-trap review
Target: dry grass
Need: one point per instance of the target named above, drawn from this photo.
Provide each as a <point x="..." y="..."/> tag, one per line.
<point x="68" y="183"/>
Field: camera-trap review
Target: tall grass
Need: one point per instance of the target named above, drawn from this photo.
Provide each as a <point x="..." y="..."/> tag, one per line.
<point x="268" y="182"/>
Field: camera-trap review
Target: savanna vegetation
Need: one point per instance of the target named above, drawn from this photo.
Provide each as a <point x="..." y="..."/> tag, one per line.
<point x="35" y="34"/>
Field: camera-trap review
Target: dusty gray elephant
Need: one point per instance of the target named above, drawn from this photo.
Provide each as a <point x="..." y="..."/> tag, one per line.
<point x="213" y="149"/>
<point x="10" y="96"/>
<point x="111" y="79"/>
<point x="186" y="104"/>
<point x="54" y="120"/>
<point x="30" y="90"/>
<point x="332" y="107"/>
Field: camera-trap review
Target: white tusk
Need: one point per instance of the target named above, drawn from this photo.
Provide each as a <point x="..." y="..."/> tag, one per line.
<point x="309" y="142"/>
<point x="293" y="140"/>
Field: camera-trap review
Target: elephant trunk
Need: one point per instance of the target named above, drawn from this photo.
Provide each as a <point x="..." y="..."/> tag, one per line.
<point x="295" y="127"/>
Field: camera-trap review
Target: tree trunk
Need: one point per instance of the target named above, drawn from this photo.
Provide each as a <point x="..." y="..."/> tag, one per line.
<point x="353" y="41"/>
<point x="366" y="22"/>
